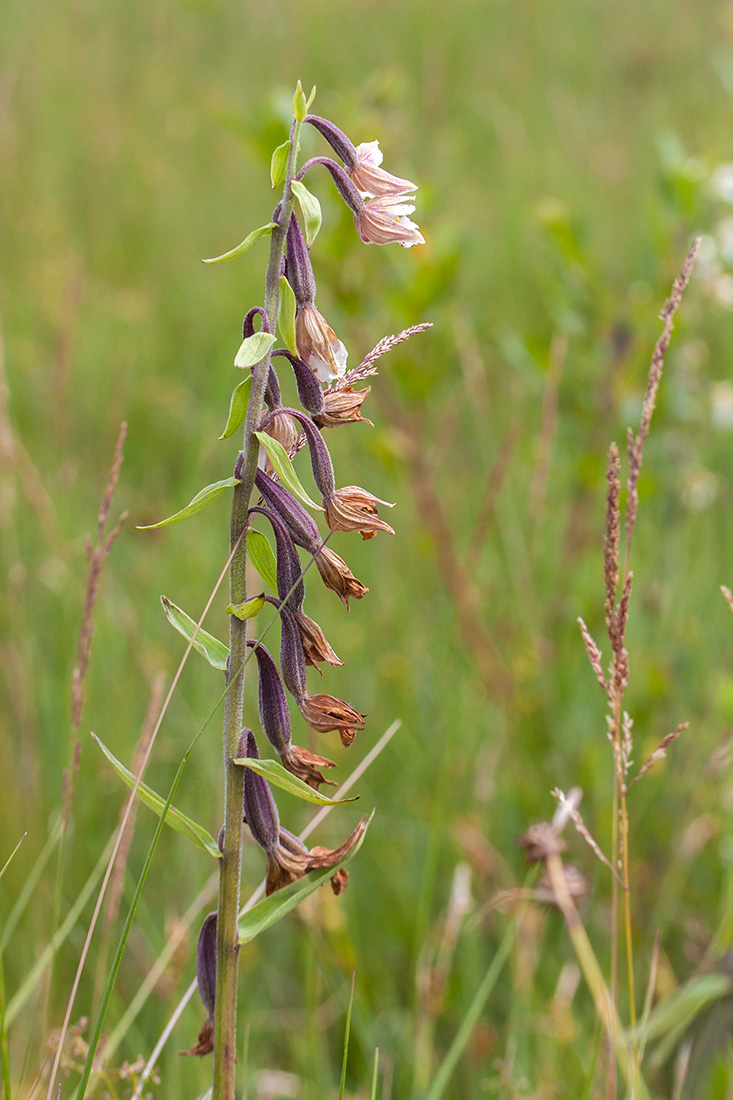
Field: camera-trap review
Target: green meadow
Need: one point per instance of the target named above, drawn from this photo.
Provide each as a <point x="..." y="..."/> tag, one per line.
<point x="567" y="155"/>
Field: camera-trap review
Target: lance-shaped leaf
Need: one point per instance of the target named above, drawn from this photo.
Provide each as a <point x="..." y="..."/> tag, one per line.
<point x="270" y="910"/>
<point x="279" y="164"/>
<point x="215" y="652"/>
<point x="254" y="236"/>
<point x="249" y="609"/>
<point x="286" y="315"/>
<point x="178" y="821"/>
<point x="237" y="407"/>
<point x="252" y="349"/>
<point x="275" y="773"/>
<point x="311" y="208"/>
<point x="262" y="557"/>
<point x="283" y="467"/>
<point x="199" y="502"/>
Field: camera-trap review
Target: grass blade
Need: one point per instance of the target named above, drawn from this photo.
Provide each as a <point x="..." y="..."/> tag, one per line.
<point x="375" y="1075"/>
<point x="275" y="773"/>
<point x="188" y="828"/>
<point x="30" y="884"/>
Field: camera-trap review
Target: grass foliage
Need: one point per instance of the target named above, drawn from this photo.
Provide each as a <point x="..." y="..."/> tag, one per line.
<point x="566" y="158"/>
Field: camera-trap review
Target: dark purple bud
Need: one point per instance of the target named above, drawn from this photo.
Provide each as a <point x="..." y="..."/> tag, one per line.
<point x="259" y="805"/>
<point x="274" y="713"/>
<point x="309" y="388"/>
<point x="342" y="146"/>
<point x="344" y="186"/>
<point x="290" y="585"/>
<point x="299" y="523"/>
<point x="321" y="464"/>
<point x="206" y="963"/>
<point x="239" y="465"/>
<point x="300" y="270"/>
<point x="292" y="655"/>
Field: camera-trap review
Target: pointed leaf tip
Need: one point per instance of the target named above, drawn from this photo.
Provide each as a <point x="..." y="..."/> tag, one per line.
<point x="199" y="502"/>
<point x="246" y="244"/>
<point x="215" y="652"/>
<point x="284" y="468"/>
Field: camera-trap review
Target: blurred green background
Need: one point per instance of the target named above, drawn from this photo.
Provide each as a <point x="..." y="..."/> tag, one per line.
<point x="566" y="156"/>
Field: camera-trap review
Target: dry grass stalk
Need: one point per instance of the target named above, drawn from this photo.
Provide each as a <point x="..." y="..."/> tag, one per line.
<point x="582" y="829"/>
<point x="728" y="596"/>
<point x="659" y="753"/>
<point x="594" y="656"/>
<point x="611" y="539"/>
<point x="636" y="442"/>
<point x="387" y="343"/>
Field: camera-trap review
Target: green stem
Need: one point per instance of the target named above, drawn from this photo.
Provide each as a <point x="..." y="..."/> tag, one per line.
<point x="227" y="962"/>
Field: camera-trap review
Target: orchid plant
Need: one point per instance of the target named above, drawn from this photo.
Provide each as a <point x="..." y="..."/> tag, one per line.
<point x="267" y="488"/>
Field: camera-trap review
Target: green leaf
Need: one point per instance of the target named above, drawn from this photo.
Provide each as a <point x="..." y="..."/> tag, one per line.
<point x="254" y="236"/>
<point x="311" y="97"/>
<point x="274" y="772"/>
<point x="237" y="407"/>
<point x="178" y="821"/>
<point x="286" y="315"/>
<point x="311" y="209"/>
<point x="270" y="910"/>
<point x="262" y="557"/>
<point x="300" y="107"/>
<point x="284" y="468"/>
<point x="199" y="502"/>
<point x="248" y="609"/>
<point x="253" y="349"/>
<point x="681" y="1008"/>
<point x="279" y="164"/>
<point x="207" y="645"/>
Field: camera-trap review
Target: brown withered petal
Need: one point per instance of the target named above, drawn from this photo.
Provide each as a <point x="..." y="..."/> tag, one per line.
<point x="340" y="881"/>
<point x="284" y="866"/>
<point x="326" y="713"/>
<point x="342" y="407"/>
<point x="205" y="1044"/>
<point x="337" y="576"/>
<point x="354" y="509"/>
<point x="315" y="644"/>
<point x="305" y="765"/>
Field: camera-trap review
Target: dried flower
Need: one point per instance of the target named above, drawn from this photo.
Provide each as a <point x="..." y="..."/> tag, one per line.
<point x="306" y="765"/>
<point x="342" y="406"/>
<point x="383" y="220"/>
<point x="291" y="860"/>
<point x="318" y="345"/>
<point x="540" y="841"/>
<point x="337" y="576"/>
<point x="354" y="509"/>
<point x="284" y="429"/>
<point x="325" y="713"/>
<point x="370" y="178"/>
<point x="314" y="641"/>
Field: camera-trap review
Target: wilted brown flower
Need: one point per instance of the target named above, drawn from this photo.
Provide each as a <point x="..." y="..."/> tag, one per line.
<point x="540" y="841"/>
<point x="318" y="345"/>
<point x="354" y="509"/>
<point x="326" y="713"/>
<point x="291" y="860"/>
<point x="306" y="766"/>
<point x="342" y="407"/>
<point x="337" y="576"/>
<point x="315" y="644"/>
<point x="285" y="430"/>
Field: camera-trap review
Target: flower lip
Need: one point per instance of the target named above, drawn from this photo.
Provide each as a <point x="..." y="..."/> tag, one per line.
<point x="383" y="220"/>
<point x="354" y="509"/>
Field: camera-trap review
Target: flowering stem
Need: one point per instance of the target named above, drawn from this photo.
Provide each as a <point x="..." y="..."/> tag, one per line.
<point x="225" y="1019"/>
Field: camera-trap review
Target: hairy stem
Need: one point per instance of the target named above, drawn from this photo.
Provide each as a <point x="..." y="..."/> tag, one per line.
<point x="227" y="965"/>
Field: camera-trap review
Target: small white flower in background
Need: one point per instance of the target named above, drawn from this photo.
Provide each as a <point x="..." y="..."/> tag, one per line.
<point x="721" y="182"/>
<point x="699" y="488"/>
<point x="721" y="405"/>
